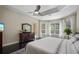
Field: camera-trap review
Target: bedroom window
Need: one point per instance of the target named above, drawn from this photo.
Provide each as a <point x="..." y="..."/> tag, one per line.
<point x="43" y="30"/>
<point x="49" y="29"/>
<point x="54" y="29"/>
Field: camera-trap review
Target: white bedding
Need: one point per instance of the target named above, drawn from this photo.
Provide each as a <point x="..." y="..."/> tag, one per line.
<point x="50" y="45"/>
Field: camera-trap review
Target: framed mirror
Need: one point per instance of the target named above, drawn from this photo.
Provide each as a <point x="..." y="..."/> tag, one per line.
<point x="26" y="27"/>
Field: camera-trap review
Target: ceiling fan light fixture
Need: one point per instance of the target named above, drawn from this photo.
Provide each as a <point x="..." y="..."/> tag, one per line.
<point x="36" y="12"/>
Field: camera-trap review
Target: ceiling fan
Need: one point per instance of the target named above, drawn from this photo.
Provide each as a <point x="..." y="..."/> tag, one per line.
<point x="36" y="11"/>
<point x="47" y="12"/>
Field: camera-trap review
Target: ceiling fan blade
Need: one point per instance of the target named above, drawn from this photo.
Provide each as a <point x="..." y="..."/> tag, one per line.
<point x="30" y="12"/>
<point x="53" y="10"/>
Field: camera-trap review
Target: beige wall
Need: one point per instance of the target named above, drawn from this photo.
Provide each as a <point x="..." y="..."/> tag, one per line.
<point x="13" y="21"/>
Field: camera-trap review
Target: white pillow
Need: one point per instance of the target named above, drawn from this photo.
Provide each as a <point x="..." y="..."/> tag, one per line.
<point x="77" y="35"/>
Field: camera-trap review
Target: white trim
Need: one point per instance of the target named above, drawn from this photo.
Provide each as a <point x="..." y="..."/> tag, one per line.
<point x="9" y="43"/>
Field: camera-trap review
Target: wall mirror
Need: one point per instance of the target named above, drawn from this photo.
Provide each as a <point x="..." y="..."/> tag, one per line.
<point x="26" y="27"/>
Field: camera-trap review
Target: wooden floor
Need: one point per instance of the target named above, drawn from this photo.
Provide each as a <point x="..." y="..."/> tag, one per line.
<point x="11" y="48"/>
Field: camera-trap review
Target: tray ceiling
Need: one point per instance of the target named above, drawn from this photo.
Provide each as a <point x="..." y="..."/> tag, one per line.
<point x="48" y="11"/>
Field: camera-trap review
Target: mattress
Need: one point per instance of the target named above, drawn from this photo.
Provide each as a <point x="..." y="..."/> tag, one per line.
<point x="51" y="45"/>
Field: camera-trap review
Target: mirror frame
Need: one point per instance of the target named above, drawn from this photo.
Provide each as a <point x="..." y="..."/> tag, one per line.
<point x="26" y="24"/>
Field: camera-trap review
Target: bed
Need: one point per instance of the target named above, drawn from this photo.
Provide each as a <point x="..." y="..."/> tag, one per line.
<point x="50" y="45"/>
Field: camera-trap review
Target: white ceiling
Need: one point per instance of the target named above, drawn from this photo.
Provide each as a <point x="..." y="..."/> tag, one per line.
<point x="66" y="10"/>
<point x="29" y="8"/>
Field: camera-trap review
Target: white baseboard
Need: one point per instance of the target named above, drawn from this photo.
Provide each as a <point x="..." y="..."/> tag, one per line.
<point x="9" y="43"/>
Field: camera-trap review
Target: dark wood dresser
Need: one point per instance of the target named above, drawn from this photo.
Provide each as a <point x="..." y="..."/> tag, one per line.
<point x="25" y="37"/>
<point x="0" y="42"/>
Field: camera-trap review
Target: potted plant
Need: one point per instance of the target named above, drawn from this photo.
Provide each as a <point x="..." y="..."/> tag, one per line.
<point x="67" y="31"/>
